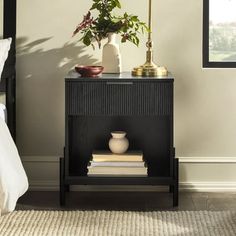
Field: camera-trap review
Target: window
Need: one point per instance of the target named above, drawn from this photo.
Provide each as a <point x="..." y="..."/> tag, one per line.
<point x="219" y="33"/>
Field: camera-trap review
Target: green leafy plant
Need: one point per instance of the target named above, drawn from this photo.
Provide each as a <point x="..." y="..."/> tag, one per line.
<point x="96" y="29"/>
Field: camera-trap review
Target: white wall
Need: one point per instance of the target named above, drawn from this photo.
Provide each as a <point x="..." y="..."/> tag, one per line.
<point x="205" y="99"/>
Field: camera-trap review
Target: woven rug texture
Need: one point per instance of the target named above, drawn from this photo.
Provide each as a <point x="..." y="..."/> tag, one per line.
<point x="109" y="223"/>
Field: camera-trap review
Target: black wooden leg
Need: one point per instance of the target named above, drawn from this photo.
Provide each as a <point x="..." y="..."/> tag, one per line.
<point x="67" y="188"/>
<point x="11" y="105"/>
<point x="171" y="189"/>
<point x="176" y="185"/>
<point x="62" y="184"/>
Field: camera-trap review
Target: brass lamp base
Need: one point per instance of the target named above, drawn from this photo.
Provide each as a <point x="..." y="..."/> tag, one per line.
<point x="149" y="69"/>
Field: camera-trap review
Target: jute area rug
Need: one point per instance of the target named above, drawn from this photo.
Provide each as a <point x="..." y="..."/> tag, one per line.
<point x="106" y="223"/>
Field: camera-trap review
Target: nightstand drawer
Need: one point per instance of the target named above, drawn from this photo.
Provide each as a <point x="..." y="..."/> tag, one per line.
<point x="119" y="98"/>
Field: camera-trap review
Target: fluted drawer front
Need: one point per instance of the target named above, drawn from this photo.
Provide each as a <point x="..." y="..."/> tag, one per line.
<point x="119" y="98"/>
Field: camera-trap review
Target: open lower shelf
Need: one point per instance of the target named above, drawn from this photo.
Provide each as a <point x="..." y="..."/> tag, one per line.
<point x="152" y="135"/>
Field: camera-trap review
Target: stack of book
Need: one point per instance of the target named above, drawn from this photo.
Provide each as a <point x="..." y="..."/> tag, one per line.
<point x="117" y="165"/>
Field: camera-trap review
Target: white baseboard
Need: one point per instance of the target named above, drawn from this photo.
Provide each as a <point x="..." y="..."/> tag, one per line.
<point x="207" y="160"/>
<point x="197" y="174"/>
<point x="207" y="186"/>
<point x="37" y="185"/>
<point x="40" y="159"/>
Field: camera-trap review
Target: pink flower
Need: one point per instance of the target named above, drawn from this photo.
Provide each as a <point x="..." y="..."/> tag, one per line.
<point x="87" y="22"/>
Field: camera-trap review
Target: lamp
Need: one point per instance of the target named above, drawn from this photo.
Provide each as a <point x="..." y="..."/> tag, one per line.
<point x="149" y="68"/>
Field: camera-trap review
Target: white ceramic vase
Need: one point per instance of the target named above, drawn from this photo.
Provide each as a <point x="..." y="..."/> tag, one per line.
<point x="111" y="57"/>
<point x="118" y="144"/>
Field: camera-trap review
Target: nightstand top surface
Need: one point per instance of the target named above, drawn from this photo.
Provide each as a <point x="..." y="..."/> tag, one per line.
<point x="73" y="75"/>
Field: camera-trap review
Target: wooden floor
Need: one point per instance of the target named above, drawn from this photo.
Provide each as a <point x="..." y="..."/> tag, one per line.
<point x="129" y="201"/>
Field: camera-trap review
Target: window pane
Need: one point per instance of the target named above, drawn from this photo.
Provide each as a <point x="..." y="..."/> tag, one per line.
<point x="222" y="31"/>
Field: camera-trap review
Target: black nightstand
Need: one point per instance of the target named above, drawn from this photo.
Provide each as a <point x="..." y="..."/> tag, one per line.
<point x="143" y="107"/>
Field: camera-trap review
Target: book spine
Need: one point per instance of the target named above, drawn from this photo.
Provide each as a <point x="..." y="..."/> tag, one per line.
<point x="119" y="164"/>
<point x="117" y="175"/>
<point x="114" y="159"/>
<point x="117" y="170"/>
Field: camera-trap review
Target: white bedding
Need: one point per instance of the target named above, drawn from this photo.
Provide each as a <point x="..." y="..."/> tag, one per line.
<point x="13" y="179"/>
<point x="3" y="112"/>
<point x="5" y="45"/>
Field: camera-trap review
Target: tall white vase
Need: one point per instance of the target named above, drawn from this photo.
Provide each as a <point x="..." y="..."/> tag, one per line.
<point x="111" y="57"/>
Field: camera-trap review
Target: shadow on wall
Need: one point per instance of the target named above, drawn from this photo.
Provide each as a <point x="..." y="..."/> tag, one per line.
<point x="55" y="60"/>
<point x="40" y="94"/>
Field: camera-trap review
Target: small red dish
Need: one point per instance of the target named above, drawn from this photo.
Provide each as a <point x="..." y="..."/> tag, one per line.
<point x="89" y="71"/>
